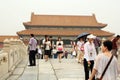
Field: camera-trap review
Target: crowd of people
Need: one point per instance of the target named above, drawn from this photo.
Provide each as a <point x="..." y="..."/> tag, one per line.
<point x="87" y="52"/>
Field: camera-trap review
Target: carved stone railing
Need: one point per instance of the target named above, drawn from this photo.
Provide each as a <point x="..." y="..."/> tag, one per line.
<point x="12" y="53"/>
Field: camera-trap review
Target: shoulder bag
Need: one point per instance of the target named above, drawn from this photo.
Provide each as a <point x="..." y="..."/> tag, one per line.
<point x="105" y="69"/>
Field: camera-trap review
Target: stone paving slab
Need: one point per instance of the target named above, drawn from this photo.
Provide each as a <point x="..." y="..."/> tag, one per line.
<point x="13" y="77"/>
<point x="46" y="71"/>
<point x="68" y="69"/>
<point x="18" y="70"/>
<point x="71" y="79"/>
<point x="28" y="77"/>
<point x="47" y="77"/>
<point x="30" y="73"/>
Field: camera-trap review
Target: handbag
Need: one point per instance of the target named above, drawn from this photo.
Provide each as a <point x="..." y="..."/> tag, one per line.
<point x="105" y="69"/>
<point x="74" y="53"/>
<point x="60" y="48"/>
<point x="82" y="47"/>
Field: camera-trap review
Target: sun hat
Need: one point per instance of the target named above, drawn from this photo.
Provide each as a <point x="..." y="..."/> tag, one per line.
<point x="91" y="36"/>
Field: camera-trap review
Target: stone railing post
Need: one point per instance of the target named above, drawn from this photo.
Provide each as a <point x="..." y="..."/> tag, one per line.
<point x="12" y="53"/>
<point x="4" y="60"/>
<point x="23" y="48"/>
<point x="6" y="46"/>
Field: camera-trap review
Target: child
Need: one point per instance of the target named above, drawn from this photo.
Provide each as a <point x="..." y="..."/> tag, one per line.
<point x="54" y="52"/>
<point x="74" y="52"/>
<point x="40" y="52"/>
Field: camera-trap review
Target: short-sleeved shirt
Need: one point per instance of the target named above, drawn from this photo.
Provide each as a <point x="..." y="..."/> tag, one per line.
<point x="57" y="44"/>
<point x="61" y="42"/>
<point x="79" y="44"/>
<point x="100" y="64"/>
<point x="47" y="45"/>
<point x="32" y="43"/>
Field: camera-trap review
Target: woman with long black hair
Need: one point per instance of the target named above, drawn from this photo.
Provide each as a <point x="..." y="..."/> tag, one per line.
<point x="60" y="48"/>
<point x="47" y="44"/>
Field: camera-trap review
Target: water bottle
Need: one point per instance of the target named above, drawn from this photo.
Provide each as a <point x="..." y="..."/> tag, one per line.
<point x="88" y="66"/>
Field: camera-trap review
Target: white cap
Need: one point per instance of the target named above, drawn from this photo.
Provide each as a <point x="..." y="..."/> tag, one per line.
<point x="91" y="36"/>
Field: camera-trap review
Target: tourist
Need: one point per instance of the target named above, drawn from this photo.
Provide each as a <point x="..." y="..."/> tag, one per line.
<point x="66" y="54"/>
<point x="74" y="53"/>
<point x="59" y="47"/>
<point x="54" y="52"/>
<point x="43" y="46"/>
<point x="115" y="47"/>
<point x="47" y="46"/>
<point x="72" y="43"/>
<point x="102" y="60"/>
<point x="97" y="43"/>
<point x="52" y="45"/>
<point x="40" y="52"/>
<point x="89" y="55"/>
<point x="32" y="48"/>
<point x="80" y="50"/>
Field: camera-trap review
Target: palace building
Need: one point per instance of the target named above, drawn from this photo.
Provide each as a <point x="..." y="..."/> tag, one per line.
<point x="66" y="26"/>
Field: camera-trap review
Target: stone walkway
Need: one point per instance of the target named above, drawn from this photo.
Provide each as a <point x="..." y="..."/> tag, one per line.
<point x="68" y="69"/>
<point x="53" y="70"/>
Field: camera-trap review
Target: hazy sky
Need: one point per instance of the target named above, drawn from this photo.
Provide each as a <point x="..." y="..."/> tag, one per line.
<point x="14" y="12"/>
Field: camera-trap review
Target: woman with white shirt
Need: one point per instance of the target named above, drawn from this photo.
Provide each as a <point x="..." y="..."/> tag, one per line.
<point x="59" y="47"/>
<point x="89" y="55"/>
<point x="47" y="44"/>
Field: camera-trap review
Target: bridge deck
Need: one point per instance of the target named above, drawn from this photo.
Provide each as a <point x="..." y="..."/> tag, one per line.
<point x="68" y="69"/>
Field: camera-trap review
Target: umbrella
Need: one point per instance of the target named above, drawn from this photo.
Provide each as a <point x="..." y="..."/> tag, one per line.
<point x="82" y="35"/>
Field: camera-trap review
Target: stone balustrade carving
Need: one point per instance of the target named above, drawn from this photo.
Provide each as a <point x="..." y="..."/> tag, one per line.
<point x="4" y="59"/>
<point x="12" y="53"/>
<point x="0" y="60"/>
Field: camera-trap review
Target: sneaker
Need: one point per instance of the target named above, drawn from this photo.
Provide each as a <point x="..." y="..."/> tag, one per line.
<point x="30" y="65"/>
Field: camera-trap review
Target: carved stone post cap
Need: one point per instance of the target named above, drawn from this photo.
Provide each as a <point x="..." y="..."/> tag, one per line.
<point x="6" y="41"/>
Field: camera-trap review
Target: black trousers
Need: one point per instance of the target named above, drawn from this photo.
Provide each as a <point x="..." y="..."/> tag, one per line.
<point x="50" y="53"/>
<point x="32" y="60"/>
<point x="86" y="68"/>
